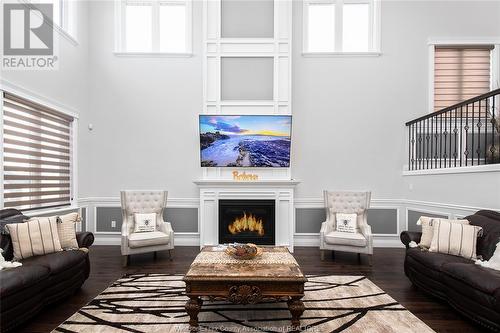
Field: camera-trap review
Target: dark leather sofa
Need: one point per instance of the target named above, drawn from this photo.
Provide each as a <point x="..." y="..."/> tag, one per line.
<point x="472" y="290"/>
<point x="41" y="280"/>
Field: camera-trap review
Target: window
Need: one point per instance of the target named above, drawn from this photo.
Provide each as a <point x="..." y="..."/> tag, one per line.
<point x="37" y="155"/>
<point x="154" y="26"/>
<point x="460" y="73"/>
<point x="341" y="26"/>
<point x="63" y="16"/>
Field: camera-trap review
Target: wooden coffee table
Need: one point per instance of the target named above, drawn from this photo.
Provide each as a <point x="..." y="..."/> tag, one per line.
<point x="274" y="276"/>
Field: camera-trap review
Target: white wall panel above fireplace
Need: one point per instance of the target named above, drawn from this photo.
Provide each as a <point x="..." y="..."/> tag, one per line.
<point x="275" y="44"/>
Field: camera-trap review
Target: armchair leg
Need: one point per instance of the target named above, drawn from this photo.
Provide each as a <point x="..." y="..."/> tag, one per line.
<point x="322" y="255"/>
<point x="359" y="257"/>
<point x="170" y="255"/>
<point x="125" y="260"/>
<point x="370" y="259"/>
<point x="333" y="254"/>
<point x="154" y="255"/>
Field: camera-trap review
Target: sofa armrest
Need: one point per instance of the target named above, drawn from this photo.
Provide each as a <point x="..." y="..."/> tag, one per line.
<point x="85" y="239"/>
<point x="409" y="236"/>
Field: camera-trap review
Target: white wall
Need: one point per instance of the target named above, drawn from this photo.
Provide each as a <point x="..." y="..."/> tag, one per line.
<point x="67" y="85"/>
<point x="144" y="112"/>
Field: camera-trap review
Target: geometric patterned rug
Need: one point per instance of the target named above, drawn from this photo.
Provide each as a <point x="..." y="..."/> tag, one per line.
<point x="155" y="303"/>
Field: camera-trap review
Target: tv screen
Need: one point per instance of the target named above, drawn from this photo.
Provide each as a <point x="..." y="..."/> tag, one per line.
<point x="245" y="141"/>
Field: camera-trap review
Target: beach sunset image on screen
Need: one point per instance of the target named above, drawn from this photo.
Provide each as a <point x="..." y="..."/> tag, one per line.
<point x="245" y="141"/>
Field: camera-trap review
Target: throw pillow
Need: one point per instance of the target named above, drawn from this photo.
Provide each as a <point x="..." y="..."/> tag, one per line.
<point x="35" y="237"/>
<point x="66" y="228"/>
<point x="455" y="238"/>
<point x="145" y="222"/>
<point x="346" y="222"/>
<point x="428" y="230"/>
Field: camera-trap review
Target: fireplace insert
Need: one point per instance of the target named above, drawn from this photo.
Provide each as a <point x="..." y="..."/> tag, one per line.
<point x="247" y="221"/>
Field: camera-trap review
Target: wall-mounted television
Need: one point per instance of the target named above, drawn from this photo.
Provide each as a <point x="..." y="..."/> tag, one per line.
<point x="254" y="141"/>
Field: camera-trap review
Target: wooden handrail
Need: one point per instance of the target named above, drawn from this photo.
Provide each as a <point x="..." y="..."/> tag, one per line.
<point x="456" y="106"/>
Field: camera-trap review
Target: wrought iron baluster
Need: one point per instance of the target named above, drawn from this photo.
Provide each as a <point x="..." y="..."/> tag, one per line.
<point x="486" y="112"/>
<point x="440" y="139"/>
<point x="478" y="150"/>
<point x="461" y="137"/>
<point x="436" y="144"/>
<point x="431" y="134"/>
<point x="495" y="126"/>
<point x="455" y="132"/>
<point x="445" y="155"/>
<point x="427" y="144"/>
<point x="473" y="125"/>
<point x="466" y="128"/>
<point x="420" y="145"/>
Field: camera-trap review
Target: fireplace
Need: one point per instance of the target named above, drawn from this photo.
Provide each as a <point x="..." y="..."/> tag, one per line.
<point x="247" y="221"/>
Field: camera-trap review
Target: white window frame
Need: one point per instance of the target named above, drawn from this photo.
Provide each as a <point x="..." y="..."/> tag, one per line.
<point x="68" y="18"/>
<point x="374" y="24"/>
<point x="14" y="89"/>
<point x="495" y="61"/>
<point x="120" y="35"/>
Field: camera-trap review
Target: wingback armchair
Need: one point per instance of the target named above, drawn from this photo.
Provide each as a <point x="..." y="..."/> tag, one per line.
<point x="361" y="241"/>
<point x="143" y="242"/>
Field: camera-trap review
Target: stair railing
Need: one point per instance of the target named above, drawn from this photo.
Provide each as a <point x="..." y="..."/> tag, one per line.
<point x="464" y="134"/>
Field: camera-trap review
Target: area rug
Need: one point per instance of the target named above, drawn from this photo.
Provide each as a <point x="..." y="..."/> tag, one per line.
<point x="155" y="303"/>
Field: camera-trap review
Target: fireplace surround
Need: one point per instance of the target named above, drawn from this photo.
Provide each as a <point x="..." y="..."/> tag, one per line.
<point x="280" y="191"/>
<point x="247" y="221"/>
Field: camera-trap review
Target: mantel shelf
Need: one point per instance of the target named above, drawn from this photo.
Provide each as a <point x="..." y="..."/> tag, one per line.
<point x="230" y="182"/>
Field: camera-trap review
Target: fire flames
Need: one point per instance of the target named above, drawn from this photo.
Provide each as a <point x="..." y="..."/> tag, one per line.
<point x="247" y="223"/>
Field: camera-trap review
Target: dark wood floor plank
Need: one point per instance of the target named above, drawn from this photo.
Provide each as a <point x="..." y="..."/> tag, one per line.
<point x="386" y="272"/>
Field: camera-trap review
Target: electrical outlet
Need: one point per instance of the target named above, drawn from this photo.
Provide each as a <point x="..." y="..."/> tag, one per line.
<point x="113" y="224"/>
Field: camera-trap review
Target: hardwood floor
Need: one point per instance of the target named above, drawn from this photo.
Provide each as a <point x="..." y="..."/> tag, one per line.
<point x="386" y="272"/>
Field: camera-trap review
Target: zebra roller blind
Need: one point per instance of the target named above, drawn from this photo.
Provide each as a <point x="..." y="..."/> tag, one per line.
<point x="460" y="73"/>
<point x="37" y="144"/>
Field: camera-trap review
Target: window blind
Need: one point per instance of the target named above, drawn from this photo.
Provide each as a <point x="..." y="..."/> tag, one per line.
<point x="37" y="145"/>
<point x="460" y="73"/>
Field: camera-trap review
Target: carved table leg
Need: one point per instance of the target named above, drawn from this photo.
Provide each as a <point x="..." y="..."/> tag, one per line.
<point x="296" y="308"/>
<point x="193" y="307"/>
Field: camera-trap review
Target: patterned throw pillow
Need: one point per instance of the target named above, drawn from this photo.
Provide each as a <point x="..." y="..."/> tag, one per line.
<point x="145" y="222"/>
<point x="37" y="236"/>
<point x="455" y="238"/>
<point x="66" y="228"/>
<point x="346" y="222"/>
<point x="428" y="229"/>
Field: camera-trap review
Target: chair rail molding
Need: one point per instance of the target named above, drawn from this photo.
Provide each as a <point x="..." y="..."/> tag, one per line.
<point x="300" y="239"/>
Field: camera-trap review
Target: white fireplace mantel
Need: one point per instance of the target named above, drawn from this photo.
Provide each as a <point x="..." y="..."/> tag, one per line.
<point x="257" y="183"/>
<point x="213" y="190"/>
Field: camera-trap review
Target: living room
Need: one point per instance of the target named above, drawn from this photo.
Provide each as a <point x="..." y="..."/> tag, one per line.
<point x="246" y="130"/>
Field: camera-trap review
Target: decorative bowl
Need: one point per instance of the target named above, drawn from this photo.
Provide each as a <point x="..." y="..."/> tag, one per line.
<point x="244" y="251"/>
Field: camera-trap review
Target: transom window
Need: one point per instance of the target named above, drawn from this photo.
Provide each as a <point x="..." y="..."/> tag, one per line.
<point x="341" y="26"/>
<point x="152" y="26"/>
